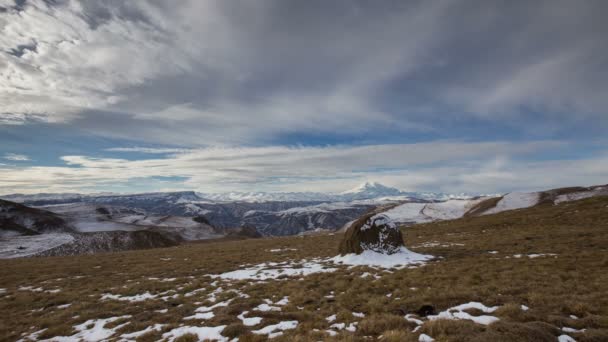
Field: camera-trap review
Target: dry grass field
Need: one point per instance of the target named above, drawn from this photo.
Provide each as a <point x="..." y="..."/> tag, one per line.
<point x="544" y="268"/>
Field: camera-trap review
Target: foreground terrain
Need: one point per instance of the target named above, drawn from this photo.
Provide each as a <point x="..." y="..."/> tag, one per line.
<point x="531" y="274"/>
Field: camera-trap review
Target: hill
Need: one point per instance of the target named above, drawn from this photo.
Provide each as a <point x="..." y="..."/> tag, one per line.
<point x="535" y="273"/>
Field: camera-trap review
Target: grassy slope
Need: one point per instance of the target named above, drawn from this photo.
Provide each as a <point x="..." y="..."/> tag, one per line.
<point x="573" y="283"/>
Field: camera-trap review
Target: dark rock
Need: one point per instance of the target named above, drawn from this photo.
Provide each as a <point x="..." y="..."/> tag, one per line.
<point x="373" y="232"/>
<point x="201" y="219"/>
<point x="426" y="310"/>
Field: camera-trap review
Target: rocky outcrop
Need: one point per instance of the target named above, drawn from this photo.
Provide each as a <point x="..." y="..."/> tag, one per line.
<point x="374" y="232"/>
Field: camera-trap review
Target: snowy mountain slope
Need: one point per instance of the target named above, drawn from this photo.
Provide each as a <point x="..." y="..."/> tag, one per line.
<point x="453" y="209"/>
<point x="97" y="218"/>
<point x="24" y="246"/>
<point x="514" y="200"/>
<point x="17" y="219"/>
<point x="368" y="190"/>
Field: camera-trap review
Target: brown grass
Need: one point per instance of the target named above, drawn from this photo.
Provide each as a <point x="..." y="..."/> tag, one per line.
<point x="575" y="282"/>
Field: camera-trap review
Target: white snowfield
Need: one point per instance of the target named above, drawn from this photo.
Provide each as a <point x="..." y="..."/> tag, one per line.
<point x="456" y="208"/>
<point x="428" y="212"/>
<point x="599" y="191"/>
<point x="23" y="246"/>
<point x="515" y="200"/>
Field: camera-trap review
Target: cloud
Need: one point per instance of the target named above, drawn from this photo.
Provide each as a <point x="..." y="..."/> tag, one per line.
<point x="212" y="72"/>
<point x="150" y="150"/>
<point x="439" y="166"/>
<point x="16" y="157"/>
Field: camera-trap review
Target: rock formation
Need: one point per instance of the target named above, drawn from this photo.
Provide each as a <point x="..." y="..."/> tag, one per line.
<point x="374" y="232"/>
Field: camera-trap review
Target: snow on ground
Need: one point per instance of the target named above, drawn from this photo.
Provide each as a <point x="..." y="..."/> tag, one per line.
<point x="201" y="315"/>
<point x="94" y="330"/>
<point x="249" y="321"/>
<point x="135" y="298"/>
<point x="450" y="209"/>
<point x="581" y="195"/>
<point x="425" y="338"/>
<point x="134" y="335"/>
<point x="427" y="212"/>
<point x="565" y="338"/>
<point x="23" y="246"/>
<point x="203" y="333"/>
<point x="458" y="312"/>
<point x="278" y="250"/>
<point x="273" y="270"/>
<point x="437" y="244"/>
<point x="402" y="258"/>
<point x="514" y="200"/>
<point x="276" y="330"/>
<point x="408" y="212"/>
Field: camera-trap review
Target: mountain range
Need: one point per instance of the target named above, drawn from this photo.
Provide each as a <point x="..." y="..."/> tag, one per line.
<point x="60" y="224"/>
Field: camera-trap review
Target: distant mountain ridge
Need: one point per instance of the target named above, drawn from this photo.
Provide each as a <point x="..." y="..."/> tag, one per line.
<point x="367" y="190"/>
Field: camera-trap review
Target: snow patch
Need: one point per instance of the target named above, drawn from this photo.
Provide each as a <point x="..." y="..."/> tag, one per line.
<point x="94" y="330"/>
<point x="514" y="200"/>
<point x="457" y="312"/>
<point x="249" y="321"/>
<point x="276" y="329"/>
<point x="266" y="271"/>
<point x="203" y="333"/>
<point x="402" y="258"/>
<point x="23" y="246"/>
<point x="135" y="298"/>
<point x="134" y="335"/>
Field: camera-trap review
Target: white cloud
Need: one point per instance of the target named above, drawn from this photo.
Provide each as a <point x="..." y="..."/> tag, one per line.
<point x="150" y="150"/>
<point x="444" y="166"/>
<point x="16" y="157"/>
<point x="217" y="72"/>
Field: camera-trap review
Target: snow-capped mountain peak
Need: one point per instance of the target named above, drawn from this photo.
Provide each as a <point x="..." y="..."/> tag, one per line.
<point x="370" y="187"/>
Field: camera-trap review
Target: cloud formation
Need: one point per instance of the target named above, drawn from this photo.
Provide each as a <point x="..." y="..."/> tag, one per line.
<point x="485" y="86"/>
<point x="16" y="157"/>
<point x="239" y="72"/>
<point x="442" y="166"/>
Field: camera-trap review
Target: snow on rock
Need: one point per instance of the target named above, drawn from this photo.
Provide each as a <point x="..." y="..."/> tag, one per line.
<point x="372" y="232"/>
<point x="271" y="270"/>
<point x="331" y="318"/>
<point x="249" y="321"/>
<point x="203" y="333"/>
<point x="458" y="312"/>
<point x="23" y="246"/>
<point x="514" y="200"/>
<point x="402" y="258"/>
<point x="276" y="329"/>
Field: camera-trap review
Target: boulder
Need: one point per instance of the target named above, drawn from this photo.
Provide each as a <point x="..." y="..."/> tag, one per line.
<point x="374" y="232"/>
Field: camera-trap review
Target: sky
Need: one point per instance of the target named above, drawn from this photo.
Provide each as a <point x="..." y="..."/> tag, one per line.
<point x="285" y="95"/>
